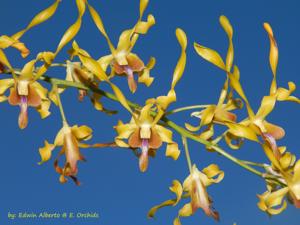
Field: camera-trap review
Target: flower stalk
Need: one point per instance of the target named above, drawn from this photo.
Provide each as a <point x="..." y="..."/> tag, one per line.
<point x="60" y="106"/>
<point x="187" y="153"/>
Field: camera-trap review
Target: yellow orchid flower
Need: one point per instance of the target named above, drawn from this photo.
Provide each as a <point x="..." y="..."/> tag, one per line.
<point x="256" y="125"/>
<point x="69" y="138"/>
<point x="144" y="133"/>
<point x="195" y="184"/>
<point x="24" y="92"/>
<point x="121" y="59"/>
<point x="195" y="188"/>
<point x="287" y="170"/>
<point x="219" y="114"/>
<point x="272" y="202"/>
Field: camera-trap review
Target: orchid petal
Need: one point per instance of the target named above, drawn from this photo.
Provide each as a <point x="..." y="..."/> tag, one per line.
<point x="177" y="189"/>
<point x="242" y="131"/>
<point x="46" y="152"/>
<point x="172" y="151"/>
<point x="210" y="55"/>
<point x="5" y="84"/>
<point x="273" y="57"/>
<point x="229" y="31"/>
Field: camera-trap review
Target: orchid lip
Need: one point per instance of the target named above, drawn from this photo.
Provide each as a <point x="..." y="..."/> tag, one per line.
<point x="145" y="145"/>
<point x="143" y="160"/>
<point x="23" y="118"/>
<point x="128" y="71"/>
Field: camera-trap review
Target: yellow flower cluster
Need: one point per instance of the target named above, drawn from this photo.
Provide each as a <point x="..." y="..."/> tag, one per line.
<point x="149" y="126"/>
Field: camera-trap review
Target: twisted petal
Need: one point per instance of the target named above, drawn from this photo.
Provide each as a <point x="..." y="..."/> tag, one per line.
<point x="229" y="31"/>
<point x="43" y="109"/>
<point x="144" y="76"/>
<point x="153" y="210"/>
<point x="267" y="106"/>
<point x="213" y="175"/>
<point x="177" y="189"/>
<point x="173" y="151"/>
<point x="273" y="57"/>
<point x="46" y="152"/>
<point x="284" y="94"/>
<point x="6" y="42"/>
<point x="273" y="203"/>
<point x="82" y="132"/>
<point x="210" y="55"/>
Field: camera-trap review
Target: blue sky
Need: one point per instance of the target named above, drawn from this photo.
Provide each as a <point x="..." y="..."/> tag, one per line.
<point x="112" y="184"/>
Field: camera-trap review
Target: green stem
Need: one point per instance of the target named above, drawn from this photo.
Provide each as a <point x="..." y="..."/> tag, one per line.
<point x="58" y="65"/>
<point x="187" y="153"/>
<point x="253" y="163"/>
<point x="62" y="113"/>
<point x="186" y="108"/>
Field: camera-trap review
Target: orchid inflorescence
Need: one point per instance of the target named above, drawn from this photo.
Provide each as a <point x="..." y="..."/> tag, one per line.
<point x="149" y="127"/>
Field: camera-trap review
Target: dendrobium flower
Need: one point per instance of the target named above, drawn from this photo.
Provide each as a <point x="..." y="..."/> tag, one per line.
<point x="214" y="114"/>
<point x="121" y="60"/>
<point x="256" y="125"/>
<point x="195" y="188"/>
<point x="25" y="92"/>
<point x="287" y="171"/>
<point x="195" y="184"/>
<point x="134" y="65"/>
<point x="69" y="138"/>
<point x="144" y="133"/>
